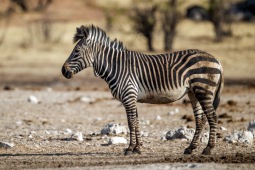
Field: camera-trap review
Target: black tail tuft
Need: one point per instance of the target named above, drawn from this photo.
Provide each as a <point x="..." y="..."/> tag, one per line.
<point x="216" y="101"/>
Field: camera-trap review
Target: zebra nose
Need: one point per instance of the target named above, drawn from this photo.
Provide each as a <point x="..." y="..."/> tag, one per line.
<point x="67" y="73"/>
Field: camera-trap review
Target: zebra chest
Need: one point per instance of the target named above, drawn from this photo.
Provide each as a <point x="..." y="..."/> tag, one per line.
<point x="160" y="97"/>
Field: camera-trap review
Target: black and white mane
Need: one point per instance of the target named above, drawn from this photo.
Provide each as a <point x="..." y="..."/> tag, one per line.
<point x="97" y="35"/>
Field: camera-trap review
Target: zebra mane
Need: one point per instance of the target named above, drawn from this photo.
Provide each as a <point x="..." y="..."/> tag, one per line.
<point x="97" y="35"/>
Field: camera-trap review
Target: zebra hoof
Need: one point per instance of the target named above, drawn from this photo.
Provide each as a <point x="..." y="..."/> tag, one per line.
<point x="137" y="151"/>
<point x="207" y="151"/>
<point x="128" y="152"/>
<point x="188" y="151"/>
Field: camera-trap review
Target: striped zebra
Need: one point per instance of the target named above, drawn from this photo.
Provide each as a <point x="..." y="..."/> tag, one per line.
<point x="164" y="78"/>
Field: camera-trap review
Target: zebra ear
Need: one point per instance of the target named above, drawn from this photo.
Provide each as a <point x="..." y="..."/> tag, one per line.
<point x="79" y="34"/>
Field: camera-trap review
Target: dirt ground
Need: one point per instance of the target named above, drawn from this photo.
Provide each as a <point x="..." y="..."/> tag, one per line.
<point x="42" y="133"/>
<point x="42" y="138"/>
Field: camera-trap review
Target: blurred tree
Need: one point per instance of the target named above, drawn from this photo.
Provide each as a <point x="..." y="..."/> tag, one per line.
<point x="144" y="19"/>
<point x="220" y="16"/>
<point x="170" y="19"/>
<point x="216" y="13"/>
<point x="25" y="5"/>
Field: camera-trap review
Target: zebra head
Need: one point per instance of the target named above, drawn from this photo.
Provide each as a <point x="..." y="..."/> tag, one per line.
<point x="82" y="55"/>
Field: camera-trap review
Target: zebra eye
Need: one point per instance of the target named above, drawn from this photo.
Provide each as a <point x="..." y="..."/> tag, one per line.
<point x="87" y="41"/>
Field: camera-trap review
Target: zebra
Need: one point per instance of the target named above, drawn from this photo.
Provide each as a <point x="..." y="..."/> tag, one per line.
<point x="157" y="79"/>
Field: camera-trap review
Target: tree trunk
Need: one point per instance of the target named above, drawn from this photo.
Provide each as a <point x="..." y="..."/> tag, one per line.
<point x="150" y="42"/>
<point x="170" y="21"/>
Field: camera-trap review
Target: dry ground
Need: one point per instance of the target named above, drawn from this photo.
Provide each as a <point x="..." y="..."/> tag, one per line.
<point x="31" y="66"/>
<point x="38" y="130"/>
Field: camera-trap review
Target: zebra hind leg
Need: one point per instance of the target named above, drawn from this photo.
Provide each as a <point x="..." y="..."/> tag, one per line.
<point x="208" y="108"/>
<point x="200" y="121"/>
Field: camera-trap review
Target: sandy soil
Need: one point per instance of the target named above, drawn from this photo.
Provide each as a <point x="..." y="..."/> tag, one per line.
<point x="30" y="66"/>
<point x="41" y="139"/>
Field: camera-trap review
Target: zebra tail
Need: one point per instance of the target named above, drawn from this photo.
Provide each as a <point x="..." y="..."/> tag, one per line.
<point x="216" y="101"/>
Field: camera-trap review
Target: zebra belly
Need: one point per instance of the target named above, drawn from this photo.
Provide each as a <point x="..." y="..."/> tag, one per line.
<point x="161" y="97"/>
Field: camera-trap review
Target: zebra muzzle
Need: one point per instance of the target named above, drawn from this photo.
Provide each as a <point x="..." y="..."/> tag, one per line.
<point x="67" y="72"/>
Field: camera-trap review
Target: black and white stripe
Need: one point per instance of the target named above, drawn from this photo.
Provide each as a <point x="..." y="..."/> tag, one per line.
<point x="135" y="77"/>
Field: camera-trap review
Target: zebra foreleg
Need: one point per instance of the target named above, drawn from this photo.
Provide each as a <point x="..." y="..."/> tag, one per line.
<point x="200" y="121"/>
<point x="133" y="124"/>
<point x="138" y="136"/>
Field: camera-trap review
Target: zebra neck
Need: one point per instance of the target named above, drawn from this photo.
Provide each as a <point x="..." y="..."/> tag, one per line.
<point x="108" y="63"/>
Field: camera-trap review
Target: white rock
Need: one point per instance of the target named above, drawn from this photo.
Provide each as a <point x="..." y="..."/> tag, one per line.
<point x="205" y="137"/>
<point x="117" y="140"/>
<point x="98" y="119"/>
<point x="48" y="89"/>
<point x="87" y="99"/>
<point x="78" y="136"/>
<point x="144" y="134"/>
<point x="19" y="122"/>
<point x="251" y="126"/>
<point x="113" y="128"/>
<point x="245" y="137"/>
<point x="158" y="117"/>
<point x="144" y="122"/>
<point x="171" y="113"/>
<point x="68" y="131"/>
<point x="6" y="145"/>
<point x="32" y="99"/>
<point x="46" y="132"/>
<point x="163" y="138"/>
<point x="176" y="110"/>
<point x="181" y="133"/>
<point x="223" y="128"/>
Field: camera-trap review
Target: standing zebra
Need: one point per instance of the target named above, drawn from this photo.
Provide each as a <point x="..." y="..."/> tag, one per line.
<point x="164" y="78"/>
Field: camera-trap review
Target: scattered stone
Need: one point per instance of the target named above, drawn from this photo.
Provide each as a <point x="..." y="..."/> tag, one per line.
<point x="144" y="134"/>
<point x="219" y="135"/>
<point x="144" y="122"/>
<point x="224" y="115"/>
<point x="231" y="102"/>
<point x="98" y="119"/>
<point x="163" y="138"/>
<point x="245" y="137"/>
<point x="189" y="118"/>
<point x="7" y="87"/>
<point x="6" y="145"/>
<point x="19" y="122"/>
<point x="181" y="133"/>
<point x="77" y="136"/>
<point x="243" y="119"/>
<point x="46" y="132"/>
<point x="220" y="122"/>
<point x="223" y="128"/>
<point x="158" y="117"/>
<point x="185" y="101"/>
<point x="32" y="99"/>
<point x="112" y="128"/>
<point x="48" y="89"/>
<point x="87" y="99"/>
<point x="176" y="110"/>
<point x="251" y="126"/>
<point x="68" y="131"/>
<point x="117" y="140"/>
<point x="205" y="137"/>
